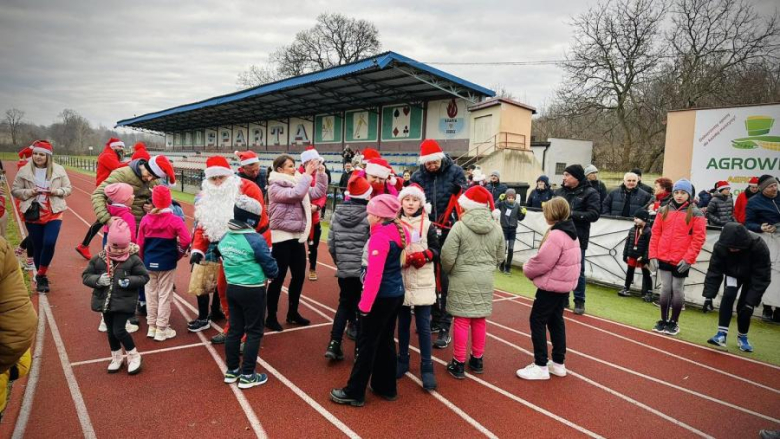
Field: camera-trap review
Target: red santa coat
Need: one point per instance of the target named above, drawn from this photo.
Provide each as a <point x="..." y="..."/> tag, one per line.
<point x="106" y="163"/>
<point x="200" y="242"/>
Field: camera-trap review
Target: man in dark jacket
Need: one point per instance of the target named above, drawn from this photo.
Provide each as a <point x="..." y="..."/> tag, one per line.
<point x="250" y="168"/>
<point x="541" y="194"/>
<point x="744" y="260"/>
<point x="626" y="200"/>
<point x="495" y="187"/>
<point x="345" y="175"/>
<point x="441" y="179"/>
<point x="639" y="184"/>
<point x="592" y="174"/>
<point x="585" y="209"/>
<point x="762" y="215"/>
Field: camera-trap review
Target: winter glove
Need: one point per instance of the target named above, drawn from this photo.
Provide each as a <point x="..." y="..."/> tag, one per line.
<point x="196" y="258"/>
<point x="683" y="266"/>
<point x="707" y="306"/>
<point x="502" y="197"/>
<point x="124" y="283"/>
<point x="104" y="280"/>
<point x="416" y="260"/>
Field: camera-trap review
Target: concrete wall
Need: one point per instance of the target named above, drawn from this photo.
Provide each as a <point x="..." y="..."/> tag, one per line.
<point x="566" y="151"/>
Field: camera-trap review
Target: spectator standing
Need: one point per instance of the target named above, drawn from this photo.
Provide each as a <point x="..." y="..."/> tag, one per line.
<point x="639" y="184"/>
<point x="585" y="206"/>
<point x="592" y="174"/>
<point x="541" y="193"/>
<point x="762" y="215"/>
<point x="495" y="187"/>
<point x="635" y="255"/>
<point x="662" y="195"/>
<point x="721" y="208"/>
<point x="511" y="214"/>
<point x="443" y="181"/>
<point x="742" y="200"/>
<point x="347" y="155"/>
<point x="345" y="176"/>
<point x="626" y="200"/>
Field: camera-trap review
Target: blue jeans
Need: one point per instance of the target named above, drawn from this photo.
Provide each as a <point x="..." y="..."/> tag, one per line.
<point x="44" y="238"/>
<point x="579" y="290"/>
<point x="422" y="319"/>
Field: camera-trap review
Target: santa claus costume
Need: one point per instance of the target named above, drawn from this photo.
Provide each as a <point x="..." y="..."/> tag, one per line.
<point x="289" y="205"/>
<point x="213" y="211"/>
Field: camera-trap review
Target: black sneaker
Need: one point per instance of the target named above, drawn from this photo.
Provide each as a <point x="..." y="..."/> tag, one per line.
<point x="273" y="324"/>
<point x="476" y="365"/>
<point x="133" y="320"/>
<point x="443" y="340"/>
<point x="624" y="293"/>
<point x="660" y="326"/>
<point x="672" y="328"/>
<point x="249" y="381"/>
<point x="334" y="351"/>
<point x="296" y="319"/>
<point x="41" y="283"/>
<point x="648" y="297"/>
<point x="340" y="397"/>
<point x="457" y="369"/>
<point x="579" y="307"/>
<point x="198" y="325"/>
<point x="351" y="331"/>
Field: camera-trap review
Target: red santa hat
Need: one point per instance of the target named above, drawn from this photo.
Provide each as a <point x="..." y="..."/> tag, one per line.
<point x="416" y="191"/>
<point x="310" y="154"/>
<point x="478" y="197"/>
<point x="42" y="146"/>
<point x="430" y="151"/>
<point x="217" y="166"/>
<point x="379" y="168"/>
<point x="115" y="143"/>
<point x="370" y="154"/>
<point x="719" y="186"/>
<point x="26" y="153"/>
<point x="140" y="152"/>
<point x="358" y="188"/>
<point x="162" y="167"/>
<point x="246" y="157"/>
<point x="753" y="181"/>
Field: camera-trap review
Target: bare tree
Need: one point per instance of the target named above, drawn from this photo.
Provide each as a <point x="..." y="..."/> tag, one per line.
<point x="73" y="132"/>
<point x="335" y="40"/>
<point x="13" y="118"/>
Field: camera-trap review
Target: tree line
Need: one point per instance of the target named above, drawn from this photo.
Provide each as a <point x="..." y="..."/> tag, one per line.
<point x="71" y="133"/>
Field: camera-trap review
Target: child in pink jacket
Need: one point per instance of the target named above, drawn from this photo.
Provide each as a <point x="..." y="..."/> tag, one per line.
<point x="554" y="270"/>
<point x="383" y="295"/>
<point x="163" y="238"/>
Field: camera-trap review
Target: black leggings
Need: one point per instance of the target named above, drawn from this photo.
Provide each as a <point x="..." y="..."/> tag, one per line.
<point x="117" y="334"/>
<point x="247" y="305"/>
<point x="647" y="281"/>
<point x="292" y="254"/>
<point x="203" y="305"/>
<point x="27" y="245"/>
<point x="349" y="297"/>
<point x="313" y="246"/>
<point x="727" y="308"/>
<point x="547" y="313"/>
<point x="93" y="230"/>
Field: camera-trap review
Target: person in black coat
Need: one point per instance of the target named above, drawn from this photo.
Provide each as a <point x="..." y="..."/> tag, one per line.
<point x="585" y="206"/>
<point x="639" y="184"/>
<point x="626" y="200"/>
<point x="495" y="187"/>
<point x="744" y="260"/>
<point x="541" y="194"/>
<point x="635" y="255"/>
<point x="592" y="174"/>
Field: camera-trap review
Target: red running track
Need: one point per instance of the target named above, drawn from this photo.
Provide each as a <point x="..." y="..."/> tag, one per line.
<point x="623" y="382"/>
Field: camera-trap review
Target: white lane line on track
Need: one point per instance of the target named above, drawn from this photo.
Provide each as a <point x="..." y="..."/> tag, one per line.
<point x="271" y="370"/>
<point x="647" y="377"/>
<point x="613" y="392"/>
<point x="70" y="377"/>
<point x="661" y="351"/>
<point x="490" y="386"/>
<point x="238" y="393"/>
<point x="154" y="351"/>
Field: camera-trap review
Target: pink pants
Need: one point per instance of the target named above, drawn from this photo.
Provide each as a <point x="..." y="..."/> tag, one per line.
<point x="159" y="294"/>
<point x="461" y="337"/>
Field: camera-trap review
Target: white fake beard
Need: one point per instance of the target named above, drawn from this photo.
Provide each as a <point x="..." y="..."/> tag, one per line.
<point x="214" y="209"/>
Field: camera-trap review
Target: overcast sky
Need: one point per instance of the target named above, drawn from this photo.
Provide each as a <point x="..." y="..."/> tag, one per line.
<point x="111" y="60"/>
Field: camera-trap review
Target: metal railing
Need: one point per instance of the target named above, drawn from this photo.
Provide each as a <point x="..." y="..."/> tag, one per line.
<point x="502" y="140"/>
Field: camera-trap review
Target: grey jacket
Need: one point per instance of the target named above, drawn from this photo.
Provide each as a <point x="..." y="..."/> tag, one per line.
<point x="720" y="210"/>
<point x="348" y="234"/>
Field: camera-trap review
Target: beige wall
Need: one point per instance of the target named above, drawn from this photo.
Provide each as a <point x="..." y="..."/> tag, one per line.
<point x="678" y="151"/>
<point x="516" y="120"/>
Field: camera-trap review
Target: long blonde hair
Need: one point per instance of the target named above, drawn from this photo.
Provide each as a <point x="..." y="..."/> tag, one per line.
<point x="49" y="166"/>
<point x="555" y="211"/>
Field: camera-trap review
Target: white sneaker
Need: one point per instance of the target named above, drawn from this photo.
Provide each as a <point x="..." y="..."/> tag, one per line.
<point x="534" y="372"/>
<point x="164" y="334"/>
<point x="102" y="326"/>
<point x="130" y="328"/>
<point x="151" y="332"/>
<point x="133" y="362"/>
<point x="116" y="361"/>
<point x="556" y="369"/>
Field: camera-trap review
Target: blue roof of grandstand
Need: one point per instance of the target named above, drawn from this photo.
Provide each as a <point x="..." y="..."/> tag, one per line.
<point x="384" y="79"/>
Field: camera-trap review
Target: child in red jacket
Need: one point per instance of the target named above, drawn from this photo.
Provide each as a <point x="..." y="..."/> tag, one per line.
<point x="678" y="235"/>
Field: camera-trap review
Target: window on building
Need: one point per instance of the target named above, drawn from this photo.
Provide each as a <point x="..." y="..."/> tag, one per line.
<point x="559" y="168"/>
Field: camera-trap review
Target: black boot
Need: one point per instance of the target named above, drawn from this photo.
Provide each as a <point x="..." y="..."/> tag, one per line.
<point x="457" y="369"/>
<point x="426" y="372"/>
<point x="402" y="366"/>
<point x="296" y="319"/>
<point x="41" y="283"/>
<point x="334" y="351"/>
<point x="351" y="331"/>
<point x="476" y="365"/>
<point x="273" y="324"/>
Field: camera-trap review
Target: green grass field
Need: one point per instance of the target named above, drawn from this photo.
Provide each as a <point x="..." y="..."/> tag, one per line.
<point x="695" y="326"/>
